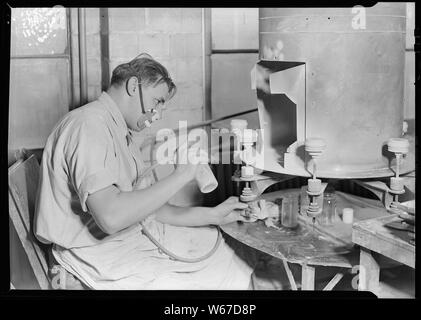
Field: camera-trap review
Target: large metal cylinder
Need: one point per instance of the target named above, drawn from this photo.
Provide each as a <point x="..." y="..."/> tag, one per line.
<point x="354" y="80"/>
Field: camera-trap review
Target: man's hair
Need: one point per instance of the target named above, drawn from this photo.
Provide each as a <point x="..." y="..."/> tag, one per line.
<point x="146" y="69"/>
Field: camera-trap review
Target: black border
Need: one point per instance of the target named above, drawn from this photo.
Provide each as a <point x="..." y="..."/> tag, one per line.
<point x="155" y="301"/>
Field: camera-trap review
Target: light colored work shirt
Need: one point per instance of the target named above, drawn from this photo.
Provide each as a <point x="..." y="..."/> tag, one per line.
<point x="91" y="149"/>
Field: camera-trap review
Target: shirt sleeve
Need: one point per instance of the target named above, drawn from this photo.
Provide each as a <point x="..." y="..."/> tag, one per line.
<point x="91" y="159"/>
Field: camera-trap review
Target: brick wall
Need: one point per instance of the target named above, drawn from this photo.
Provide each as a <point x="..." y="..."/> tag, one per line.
<point x="172" y="36"/>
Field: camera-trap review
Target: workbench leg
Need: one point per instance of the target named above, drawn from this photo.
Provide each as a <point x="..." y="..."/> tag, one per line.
<point x="290" y="275"/>
<point x="369" y="273"/>
<point x="332" y="283"/>
<point x="307" y="277"/>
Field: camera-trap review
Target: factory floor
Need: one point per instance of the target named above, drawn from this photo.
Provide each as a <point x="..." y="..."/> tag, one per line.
<point x="396" y="281"/>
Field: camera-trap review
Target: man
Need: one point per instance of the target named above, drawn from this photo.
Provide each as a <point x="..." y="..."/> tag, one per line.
<point x="95" y="204"/>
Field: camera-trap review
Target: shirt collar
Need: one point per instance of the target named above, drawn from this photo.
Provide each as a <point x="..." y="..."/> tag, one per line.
<point x="115" y="112"/>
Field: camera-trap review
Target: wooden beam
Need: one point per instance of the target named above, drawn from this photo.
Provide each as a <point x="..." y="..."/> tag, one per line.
<point x="105" y="48"/>
<point x="307" y="277"/>
<point x="369" y="275"/>
<point x="332" y="283"/>
<point x="290" y="275"/>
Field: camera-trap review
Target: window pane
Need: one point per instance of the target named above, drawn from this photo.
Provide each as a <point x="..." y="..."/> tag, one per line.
<point x="38" y="31"/>
<point x="39" y="97"/>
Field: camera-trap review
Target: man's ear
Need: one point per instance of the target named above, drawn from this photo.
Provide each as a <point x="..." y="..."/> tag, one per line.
<point x="131" y="86"/>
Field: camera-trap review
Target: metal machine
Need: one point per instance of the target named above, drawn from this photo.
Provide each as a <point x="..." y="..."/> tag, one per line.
<point x="330" y="103"/>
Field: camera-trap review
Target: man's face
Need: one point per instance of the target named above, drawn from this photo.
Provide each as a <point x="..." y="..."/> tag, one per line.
<point x="154" y="97"/>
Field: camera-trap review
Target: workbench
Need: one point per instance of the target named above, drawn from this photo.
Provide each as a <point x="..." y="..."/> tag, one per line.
<point x="309" y="246"/>
<point x="374" y="237"/>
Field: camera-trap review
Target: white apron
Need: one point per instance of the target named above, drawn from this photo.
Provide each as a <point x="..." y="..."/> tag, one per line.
<point x="130" y="261"/>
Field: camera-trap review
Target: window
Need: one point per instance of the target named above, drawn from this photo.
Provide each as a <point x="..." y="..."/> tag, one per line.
<point x="40" y="74"/>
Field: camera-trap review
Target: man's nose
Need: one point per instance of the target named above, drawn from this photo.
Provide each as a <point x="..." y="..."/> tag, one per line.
<point x="161" y="109"/>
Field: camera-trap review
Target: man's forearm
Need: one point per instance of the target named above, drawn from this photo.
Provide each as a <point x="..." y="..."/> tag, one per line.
<point x="115" y="210"/>
<point x="181" y="216"/>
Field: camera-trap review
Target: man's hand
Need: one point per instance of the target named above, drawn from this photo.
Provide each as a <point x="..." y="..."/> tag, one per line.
<point x="228" y="211"/>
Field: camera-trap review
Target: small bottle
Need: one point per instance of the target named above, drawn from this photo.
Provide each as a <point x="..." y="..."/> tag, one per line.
<point x="348" y="215"/>
<point x="289" y="211"/>
<point x="328" y="215"/>
<point x="304" y="201"/>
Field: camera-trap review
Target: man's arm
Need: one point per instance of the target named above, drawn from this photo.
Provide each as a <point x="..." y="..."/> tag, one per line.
<point x="226" y="212"/>
<point x="114" y="210"/>
<point x="184" y="216"/>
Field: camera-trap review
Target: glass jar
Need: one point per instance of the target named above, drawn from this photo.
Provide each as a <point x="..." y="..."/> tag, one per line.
<point x="289" y="211"/>
<point x="328" y="215"/>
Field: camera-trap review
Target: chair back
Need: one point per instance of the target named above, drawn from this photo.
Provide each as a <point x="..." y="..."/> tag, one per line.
<point x="23" y="185"/>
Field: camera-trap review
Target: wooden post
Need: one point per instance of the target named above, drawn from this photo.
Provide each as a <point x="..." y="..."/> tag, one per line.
<point x="290" y="275"/>
<point x="307" y="277"/>
<point x="369" y="275"/>
<point x="332" y="283"/>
